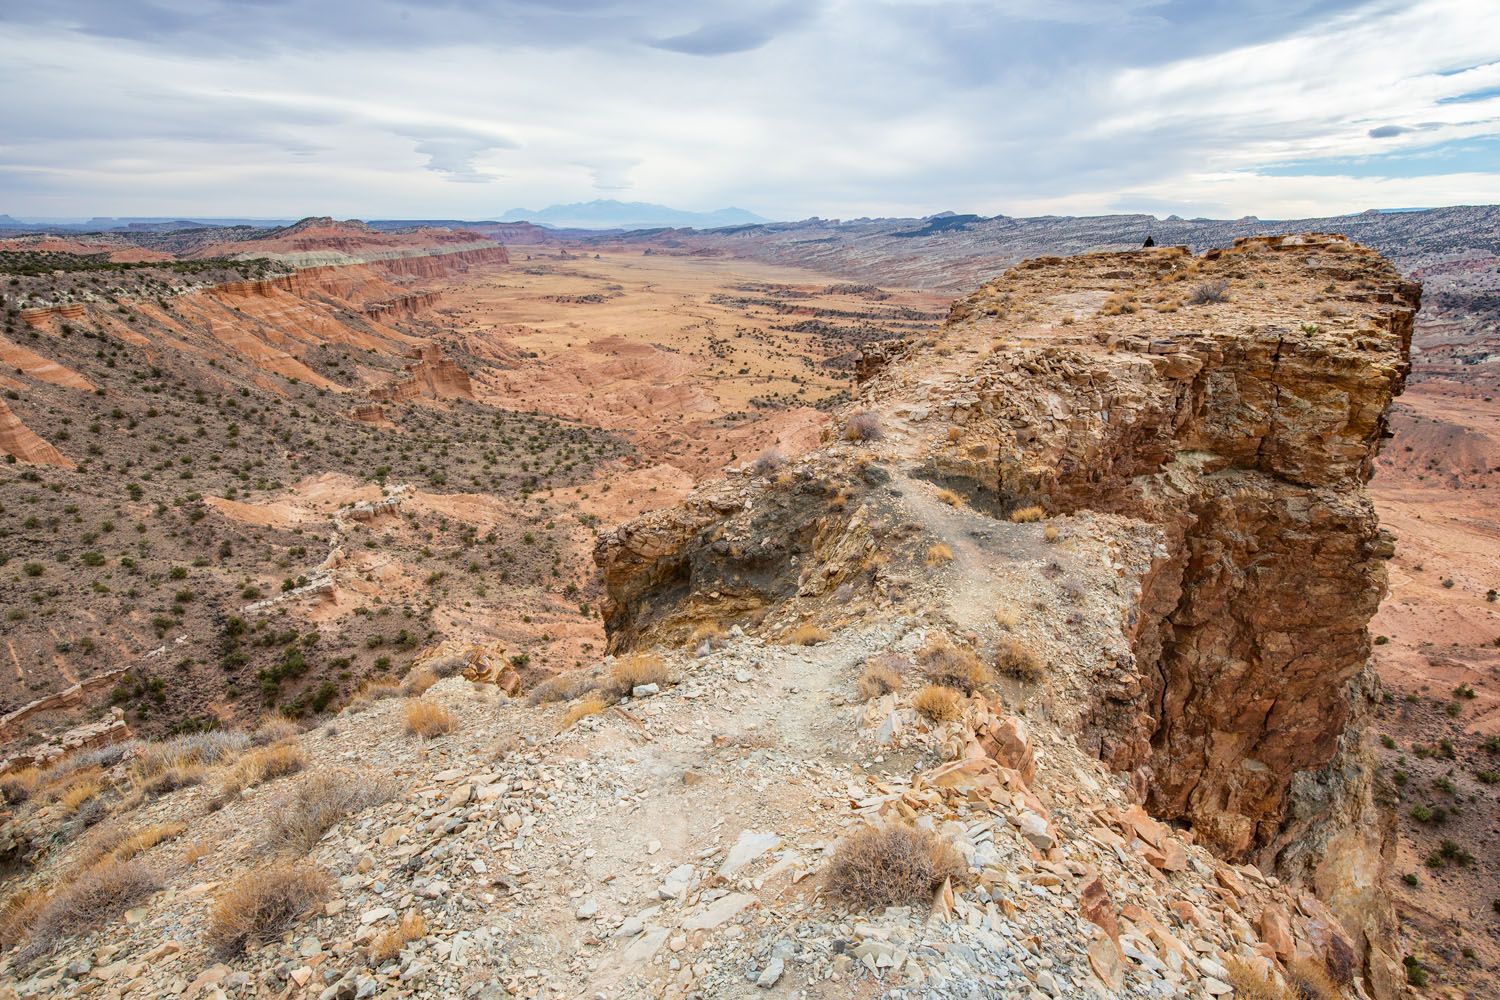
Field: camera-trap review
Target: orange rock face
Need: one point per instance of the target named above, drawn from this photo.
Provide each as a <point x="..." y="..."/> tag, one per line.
<point x="19" y="440"/>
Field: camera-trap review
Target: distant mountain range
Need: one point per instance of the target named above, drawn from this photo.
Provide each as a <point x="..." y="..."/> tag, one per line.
<point x="611" y="214"/>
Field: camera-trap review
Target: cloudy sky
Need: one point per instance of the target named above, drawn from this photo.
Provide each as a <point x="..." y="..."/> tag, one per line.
<point x="788" y="108"/>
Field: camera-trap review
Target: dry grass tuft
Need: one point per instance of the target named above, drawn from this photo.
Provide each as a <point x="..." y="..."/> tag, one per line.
<point x="1050" y="533"/>
<point x="1254" y="981"/>
<point x="950" y="498"/>
<point x="77" y="793"/>
<point x="938" y="704"/>
<point x="952" y="666"/>
<point x="114" y="840"/>
<point x="1014" y="659"/>
<point x="893" y="865"/>
<point x="939" y="555"/>
<point x="388" y="945"/>
<point x="878" y="678"/>
<point x="428" y="719"/>
<point x="629" y="672"/>
<point x="864" y="426"/>
<point x="93" y="898"/>
<point x="1309" y="980"/>
<point x="257" y="767"/>
<point x="418" y="681"/>
<point x="19" y="785"/>
<point x="1006" y="616"/>
<point x="261" y="905"/>
<point x="806" y="634"/>
<point x="198" y="850"/>
<point x="320" y="800"/>
<point x="591" y="704"/>
<point x="566" y="686"/>
<point x="274" y="729"/>
<point x="18" y="915"/>
<point x="1025" y="515"/>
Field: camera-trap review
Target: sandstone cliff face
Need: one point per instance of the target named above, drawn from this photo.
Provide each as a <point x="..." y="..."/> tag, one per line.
<point x="1209" y="424"/>
<point x="431" y="375"/>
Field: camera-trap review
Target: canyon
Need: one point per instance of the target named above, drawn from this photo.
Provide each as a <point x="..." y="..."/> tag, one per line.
<point x="1180" y="479"/>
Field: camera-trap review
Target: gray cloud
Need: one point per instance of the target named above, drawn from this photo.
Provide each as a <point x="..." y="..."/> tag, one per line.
<point x="833" y="107"/>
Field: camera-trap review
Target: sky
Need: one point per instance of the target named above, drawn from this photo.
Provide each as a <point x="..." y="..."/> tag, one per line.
<point x="787" y="108"/>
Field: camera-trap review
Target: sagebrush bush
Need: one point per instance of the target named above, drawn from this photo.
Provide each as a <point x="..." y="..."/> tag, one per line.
<point x="863" y="426"/>
<point x="565" y="686"/>
<point x="952" y="666"/>
<point x="891" y="865"/>
<point x="1014" y="658"/>
<point x="321" y="799"/>
<point x="259" y="906"/>
<point x="1209" y="291"/>
<point x="91" y="899"/>
<point x="879" y="677"/>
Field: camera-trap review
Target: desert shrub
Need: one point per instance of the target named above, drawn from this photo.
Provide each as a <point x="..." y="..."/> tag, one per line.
<point x="632" y="671"/>
<point x="948" y="665"/>
<point x="320" y="800"/>
<point x="257" y="767"/>
<point x="1050" y="533"/>
<point x="273" y="729"/>
<point x="428" y="719"/>
<point x="939" y="554"/>
<point x="892" y="865"/>
<point x="1308" y="979"/>
<point x="388" y="944"/>
<point x="418" y="681"/>
<point x="863" y="426"/>
<point x="879" y="677"/>
<point x="1254" y="981"/>
<point x="1006" y="616"/>
<point x="806" y="634"/>
<point x="117" y="841"/>
<point x="768" y="462"/>
<point x="937" y="703"/>
<point x="1209" y="291"/>
<point x="18" y="914"/>
<point x="1025" y="515"/>
<point x="261" y="905"/>
<point x="182" y="752"/>
<point x="563" y="687"/>
<point x="591" y="704"/>
<point x="19" y="785"/>
<point x="89" y="901"/>
<point x="1014" y="659"/>
<point x="950" y="498"/>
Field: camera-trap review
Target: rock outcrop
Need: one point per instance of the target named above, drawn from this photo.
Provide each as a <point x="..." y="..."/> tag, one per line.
<point x="25" y="444"/>
<point x="1211" y="420"/>
<point x="432" y="375"/>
